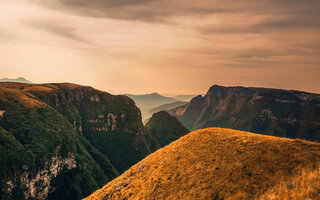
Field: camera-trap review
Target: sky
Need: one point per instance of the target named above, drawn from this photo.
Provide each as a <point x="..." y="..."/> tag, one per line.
<point x="165" y="46"/>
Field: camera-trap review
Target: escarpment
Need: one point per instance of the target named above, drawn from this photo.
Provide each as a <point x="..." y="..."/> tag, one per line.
<point x="63" y="141"/>
<point x="285" y="113"/>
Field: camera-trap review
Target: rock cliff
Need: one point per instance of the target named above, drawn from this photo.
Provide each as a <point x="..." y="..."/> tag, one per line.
<point x="284" y="113"/>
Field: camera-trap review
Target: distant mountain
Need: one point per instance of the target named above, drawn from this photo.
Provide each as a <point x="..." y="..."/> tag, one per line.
<point x="18" y="80"/>
<point x="148" y="101"/>
<point x="284" y="113"/>
<point x="165" y="128"/>
<point x="184" y="97"/>
<point x="167" y="106"/>
<point x="221" y="164"/>
<point x="153" y="98"/>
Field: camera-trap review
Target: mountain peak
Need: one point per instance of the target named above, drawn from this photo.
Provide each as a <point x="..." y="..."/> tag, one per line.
<point x="18" y="80"/>
<point x="155" y="94"/>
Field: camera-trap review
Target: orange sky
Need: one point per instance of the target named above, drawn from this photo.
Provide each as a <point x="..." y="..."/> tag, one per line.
<point x="165" y="46"/>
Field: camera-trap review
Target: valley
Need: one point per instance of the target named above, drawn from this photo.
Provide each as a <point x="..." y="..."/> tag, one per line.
<point x="159" y="100"/>
<point x="63" y="141"/>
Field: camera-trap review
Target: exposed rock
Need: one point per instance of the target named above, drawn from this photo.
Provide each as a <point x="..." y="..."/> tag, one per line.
<point x="95" y="98"/>
<point x="112" y="118"/>
<point x="285" y="113"/>
<point x="2" y="113"/>
<point x="39" y="184"/>
<point x="7" y="191"/>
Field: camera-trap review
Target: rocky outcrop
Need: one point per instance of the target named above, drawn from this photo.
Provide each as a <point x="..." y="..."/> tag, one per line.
<point x="106" y="123"/>
<point x="40" y="184"/>
<point x="292" y="114"/>
<point x="2" y="113"/>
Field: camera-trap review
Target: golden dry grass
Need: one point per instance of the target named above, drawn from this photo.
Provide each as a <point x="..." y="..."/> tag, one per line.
<point x="305" y="186"/>
<point x="23" y="93"/>
<point x="214" y="163"/>
<point x="21" y="97"/>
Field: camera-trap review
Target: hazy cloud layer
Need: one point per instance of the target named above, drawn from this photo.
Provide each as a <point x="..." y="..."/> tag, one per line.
<point x="153" y="9"/>
<point x="123" y="44"/>
<point x="56" y="28"/>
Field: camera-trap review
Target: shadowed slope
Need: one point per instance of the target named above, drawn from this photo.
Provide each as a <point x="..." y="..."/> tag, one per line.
<point x="214" y="164"/>
<point x="165" y="128"/>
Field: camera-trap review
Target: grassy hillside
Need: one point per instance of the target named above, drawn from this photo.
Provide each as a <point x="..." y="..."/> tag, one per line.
<point x="285" y="113"/>
<point x="63" y="141"/>
<point x="215" y="163"/>
<point x="304" y="185"/>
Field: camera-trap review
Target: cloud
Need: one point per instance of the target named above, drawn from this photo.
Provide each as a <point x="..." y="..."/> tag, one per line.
<point x="257" y="42"/>
<point x="145" y="10"/>
<point x="58" y="29"/>
<point x="149" y="10"/>
<point x="103" y="3"/>
<point x="7" y="36"/>
<point x="264" y="24"/>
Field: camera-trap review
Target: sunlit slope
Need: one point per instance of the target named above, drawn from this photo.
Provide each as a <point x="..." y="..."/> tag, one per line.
<point x="214" y="163"/>
<point x="305" y="185"/>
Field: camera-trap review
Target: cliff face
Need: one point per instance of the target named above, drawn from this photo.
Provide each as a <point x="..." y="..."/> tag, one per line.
<point x="105" y="120"/>
<point x="283" y="113"/>
<point x="63" y="141"/>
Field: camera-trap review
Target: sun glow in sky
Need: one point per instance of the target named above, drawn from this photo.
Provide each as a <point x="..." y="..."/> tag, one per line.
<point x="165" y="46"/>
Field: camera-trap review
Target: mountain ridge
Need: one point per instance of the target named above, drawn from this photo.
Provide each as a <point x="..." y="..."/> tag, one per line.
<point x="18" y="80"/>
<point x="292" y="114"/>
<point x="167" y="106"/>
